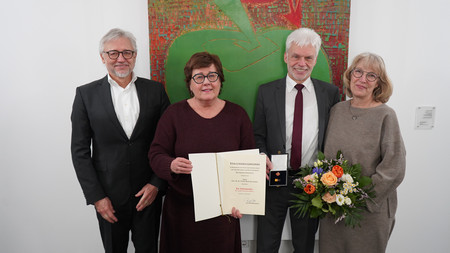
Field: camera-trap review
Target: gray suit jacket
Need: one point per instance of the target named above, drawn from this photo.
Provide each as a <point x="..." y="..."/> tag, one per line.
<point x="106" y="161"/>
<point x="269" y="125"/>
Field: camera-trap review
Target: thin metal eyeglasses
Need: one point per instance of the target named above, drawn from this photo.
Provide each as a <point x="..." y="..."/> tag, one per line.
<point x="200" y="78"/>
<point x="114" y="54"/>
<point x="370" y="76"/>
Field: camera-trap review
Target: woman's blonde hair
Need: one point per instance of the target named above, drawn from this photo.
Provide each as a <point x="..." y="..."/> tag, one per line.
<point x="383" y="91"/>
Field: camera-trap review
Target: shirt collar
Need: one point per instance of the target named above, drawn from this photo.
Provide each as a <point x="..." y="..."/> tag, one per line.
<point x="115" y="84"/>
<point x="290" y="84"/>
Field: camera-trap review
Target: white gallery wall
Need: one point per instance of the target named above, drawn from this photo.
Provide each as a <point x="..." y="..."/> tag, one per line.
<point x="49" y="47"/>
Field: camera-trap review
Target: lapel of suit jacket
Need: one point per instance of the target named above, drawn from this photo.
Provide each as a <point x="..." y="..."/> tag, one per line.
<point x="320" y="97"/>
<point x="280" y="103"/>
<point x="142" y="107"/>
<point x="105" y="96"/>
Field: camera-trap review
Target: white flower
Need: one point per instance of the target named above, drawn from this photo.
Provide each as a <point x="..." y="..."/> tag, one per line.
<point x="314" y="177"/>
<point x="318" y="163"/>
<point x="340" y="199"/>
<point x="347" y="178"/>
<point x="347" y="201"/>
<point x="344" y="192"/>
<point x="347" y="188"/>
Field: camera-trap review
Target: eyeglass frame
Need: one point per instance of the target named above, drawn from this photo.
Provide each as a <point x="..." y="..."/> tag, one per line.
<point x="118" y="54"/>
<point x="367" y="74"/>
<point x="205" y="76"/>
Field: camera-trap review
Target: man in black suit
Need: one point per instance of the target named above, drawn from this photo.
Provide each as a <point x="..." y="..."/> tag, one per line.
<point x="273" y="129"/>
<point x="113" y="123"/>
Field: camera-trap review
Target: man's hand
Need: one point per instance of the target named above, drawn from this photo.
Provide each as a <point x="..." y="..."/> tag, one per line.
<point x="269" y="167"/>
<point x="148" y="193"/>
<point x="105" y="209"/>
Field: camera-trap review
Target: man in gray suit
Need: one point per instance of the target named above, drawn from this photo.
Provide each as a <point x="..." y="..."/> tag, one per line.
<point x="113" y="123"/>
<point x="273" y="129"/>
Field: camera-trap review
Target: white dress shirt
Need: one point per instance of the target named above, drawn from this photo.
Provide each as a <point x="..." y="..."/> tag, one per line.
<point x="126" y="104"/>
<point x="310" y="133"/>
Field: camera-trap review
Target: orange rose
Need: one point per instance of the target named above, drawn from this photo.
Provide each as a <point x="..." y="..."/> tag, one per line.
<point x="329" y="198"/>
<point x="338" y="171"/>
<point x="329" y="179"/>
<point x="309" y="189"/>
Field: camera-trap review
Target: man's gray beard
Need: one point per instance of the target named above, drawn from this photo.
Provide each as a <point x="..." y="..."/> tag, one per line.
<point x="123" y="74"/>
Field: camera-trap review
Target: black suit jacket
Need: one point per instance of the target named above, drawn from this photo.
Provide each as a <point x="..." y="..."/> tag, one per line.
<point x="270" y="119"/>
<point x="106" y="161"/>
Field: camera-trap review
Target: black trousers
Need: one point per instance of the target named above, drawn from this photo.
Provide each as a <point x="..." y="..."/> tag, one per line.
<point x="144" y="227"/>
<point x="270" y="226"/>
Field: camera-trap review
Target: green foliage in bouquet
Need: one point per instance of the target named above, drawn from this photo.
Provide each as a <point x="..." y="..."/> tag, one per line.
<point x="334" y="187"/>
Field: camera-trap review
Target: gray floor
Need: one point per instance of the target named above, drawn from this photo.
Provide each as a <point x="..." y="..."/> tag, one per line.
<point x="285" y="247"/>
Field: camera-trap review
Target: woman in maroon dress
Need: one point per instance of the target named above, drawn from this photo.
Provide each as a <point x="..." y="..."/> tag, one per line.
<point x="200" y="124"/>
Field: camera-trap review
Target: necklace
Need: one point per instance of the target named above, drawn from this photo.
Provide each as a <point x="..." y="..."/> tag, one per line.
<point x="354" y="117"/>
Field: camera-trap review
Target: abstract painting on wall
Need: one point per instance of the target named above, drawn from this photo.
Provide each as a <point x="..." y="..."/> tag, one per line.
<point x="248" y="36"/>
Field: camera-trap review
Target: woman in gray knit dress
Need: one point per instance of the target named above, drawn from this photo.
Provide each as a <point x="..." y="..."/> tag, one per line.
<point x="366" y="130"/>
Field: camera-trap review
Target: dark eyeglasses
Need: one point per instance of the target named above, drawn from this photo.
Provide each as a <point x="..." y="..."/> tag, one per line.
<point x="200" y="78"/>
<point x="114" y="54"/>
<point x="370" y="76"/>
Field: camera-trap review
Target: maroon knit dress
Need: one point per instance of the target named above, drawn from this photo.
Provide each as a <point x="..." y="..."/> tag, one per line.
<point x="182" y="131"/>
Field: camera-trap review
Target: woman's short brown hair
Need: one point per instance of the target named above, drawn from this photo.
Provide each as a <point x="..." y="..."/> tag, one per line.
<point x="202" y="60"/>
<point x="383" y="92"/>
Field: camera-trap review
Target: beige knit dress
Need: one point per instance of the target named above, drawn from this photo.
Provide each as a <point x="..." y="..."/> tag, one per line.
<point x="372" y="138"/>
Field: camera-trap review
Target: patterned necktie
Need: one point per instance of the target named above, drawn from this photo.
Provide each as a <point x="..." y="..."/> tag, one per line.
<point x="296" y="147"/>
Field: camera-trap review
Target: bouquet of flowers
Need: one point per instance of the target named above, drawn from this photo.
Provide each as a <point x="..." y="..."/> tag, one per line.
<point x="333" y="187"/>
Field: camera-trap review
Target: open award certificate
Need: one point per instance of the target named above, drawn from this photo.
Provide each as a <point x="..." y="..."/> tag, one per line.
<point x="221" y="181"/>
